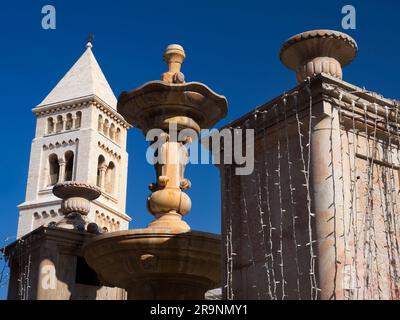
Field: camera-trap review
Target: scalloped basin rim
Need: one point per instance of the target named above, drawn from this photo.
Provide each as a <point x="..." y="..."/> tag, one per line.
<point x="188" y="86"/>
<point x="142" y="106"/>
<point x="76" y="189"/>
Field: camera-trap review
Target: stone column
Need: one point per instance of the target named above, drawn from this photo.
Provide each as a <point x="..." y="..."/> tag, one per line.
<point x="102" y="169"/>
<point x="312" y="53"/>
<point x="73" y="122"/>
<point x="61" y="174"/>
<point x="327" y="200"/>
<point x="106" y="129"/>
<point x="169" y="203"/>
<point x="100" y="125"/>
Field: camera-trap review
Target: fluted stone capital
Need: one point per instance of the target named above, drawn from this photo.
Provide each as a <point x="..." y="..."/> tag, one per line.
<point x="318" y="51"/>
<point x="77" y="205"/>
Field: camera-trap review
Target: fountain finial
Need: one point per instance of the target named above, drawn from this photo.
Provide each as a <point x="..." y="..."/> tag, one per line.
<point x="318" y="51"/>
<point x="174" y="56"/>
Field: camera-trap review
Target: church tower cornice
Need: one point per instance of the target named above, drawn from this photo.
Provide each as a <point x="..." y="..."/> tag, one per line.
<point x="43" y="110"/>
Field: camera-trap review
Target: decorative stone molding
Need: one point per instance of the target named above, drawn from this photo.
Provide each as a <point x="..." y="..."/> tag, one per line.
<point x="103" y="220"/>
<point x="75" y="204"/>
<point x="57" y="144"/>
<point x="82" y="103"/>
<point x="107" y="149"/>
<point x="41" y="111"/>
<point x="112" y="114"/>
<point x="318" y="51"/>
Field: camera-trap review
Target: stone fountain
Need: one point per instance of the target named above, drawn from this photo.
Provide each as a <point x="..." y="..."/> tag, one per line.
<point x="166" y="260"/>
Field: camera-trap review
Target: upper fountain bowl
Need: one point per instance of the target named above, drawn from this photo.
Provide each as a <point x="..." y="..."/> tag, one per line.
<point x="158" y="103"/>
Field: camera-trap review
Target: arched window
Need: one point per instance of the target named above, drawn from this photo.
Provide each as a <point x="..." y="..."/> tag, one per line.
<point x="68" y="122"/>
<point x="59" y="124"/>
<point x="54" y="169"/>
<point x="69" y="165"/>
<point x="105" y="127"/>
<point x="101" y="163"/>
<point x="100" y="123"/>
<point x="110" y="178"/>
<point x="118" y="135"/>
<point x="78" y="120"/>
<point x="112" y="131"/>
<point x="50" y="125"/>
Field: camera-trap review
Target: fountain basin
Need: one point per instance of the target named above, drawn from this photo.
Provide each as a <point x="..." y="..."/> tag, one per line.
<point x="156" y="104"/>
<point x="157" y="264"/>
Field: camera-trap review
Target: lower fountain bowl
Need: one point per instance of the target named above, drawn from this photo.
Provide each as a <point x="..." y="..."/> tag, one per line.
<point x="157" y="264"/>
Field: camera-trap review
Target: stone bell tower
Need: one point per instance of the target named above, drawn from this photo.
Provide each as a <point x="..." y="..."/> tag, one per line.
<point x="79" y="136"/>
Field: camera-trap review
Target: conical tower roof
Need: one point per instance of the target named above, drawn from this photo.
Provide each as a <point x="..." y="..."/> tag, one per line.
<point x="85" y="78"/>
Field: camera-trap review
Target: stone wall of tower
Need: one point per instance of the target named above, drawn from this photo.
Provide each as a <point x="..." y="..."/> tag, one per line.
<point x="317" y="218"/>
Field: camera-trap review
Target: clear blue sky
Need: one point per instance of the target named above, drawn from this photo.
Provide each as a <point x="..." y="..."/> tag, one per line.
<point x="232" y="46"/>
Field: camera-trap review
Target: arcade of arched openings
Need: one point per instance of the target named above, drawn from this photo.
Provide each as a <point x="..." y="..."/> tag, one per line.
<point x="60" y="168"/>
<point x="109" y="129"/>
<point x="106" y="175"/>
<point x="64" y="122"/>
